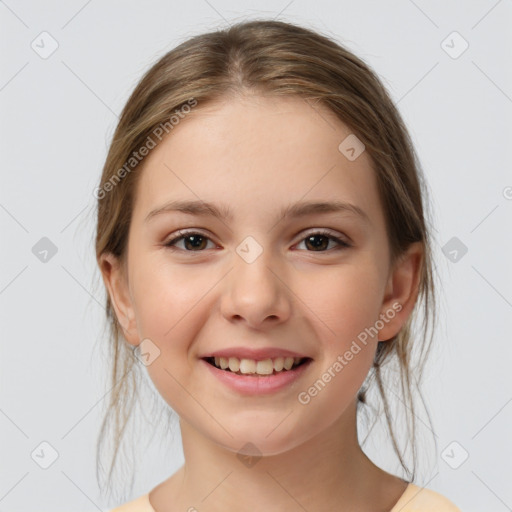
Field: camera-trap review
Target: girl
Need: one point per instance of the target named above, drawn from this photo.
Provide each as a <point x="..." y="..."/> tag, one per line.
<point x="262" y="238"/>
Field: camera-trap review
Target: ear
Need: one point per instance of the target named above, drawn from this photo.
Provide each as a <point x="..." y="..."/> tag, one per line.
<point x="116" y="282"/>
<point x="401" y="291"/>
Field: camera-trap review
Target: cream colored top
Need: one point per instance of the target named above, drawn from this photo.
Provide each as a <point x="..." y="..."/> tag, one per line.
<point x="414" y="499"/>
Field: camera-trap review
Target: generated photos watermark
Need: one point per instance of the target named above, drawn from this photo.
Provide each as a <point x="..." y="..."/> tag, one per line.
<point x="305" y="397"/>
<point x="151" y="141"/>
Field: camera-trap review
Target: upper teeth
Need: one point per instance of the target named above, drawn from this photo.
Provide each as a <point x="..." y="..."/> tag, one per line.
<point x="264" y="367"/>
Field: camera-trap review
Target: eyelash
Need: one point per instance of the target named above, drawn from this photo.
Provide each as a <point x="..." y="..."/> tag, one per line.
<point x="342" y="244"/>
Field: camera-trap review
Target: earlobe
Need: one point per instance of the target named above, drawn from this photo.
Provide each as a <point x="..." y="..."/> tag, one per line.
<point x="117" y="287"/>
<point x="401" y="291"/>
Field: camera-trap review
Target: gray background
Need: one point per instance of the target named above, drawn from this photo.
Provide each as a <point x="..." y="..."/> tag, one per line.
<point x="58" y="115"/>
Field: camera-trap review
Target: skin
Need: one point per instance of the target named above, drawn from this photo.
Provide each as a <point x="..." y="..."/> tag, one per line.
<point x="257" y="155"/>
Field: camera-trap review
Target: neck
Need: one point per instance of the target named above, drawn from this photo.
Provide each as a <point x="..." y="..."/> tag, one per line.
<point x="327" y="472"/>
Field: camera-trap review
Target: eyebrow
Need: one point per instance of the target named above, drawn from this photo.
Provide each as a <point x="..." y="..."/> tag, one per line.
<point x="296" y="210"/>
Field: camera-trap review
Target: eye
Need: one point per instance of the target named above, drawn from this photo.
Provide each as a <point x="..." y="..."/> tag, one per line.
<point x="192" y="239"/>
<point x="196" y="242"/>
<point x="317" y="240"/>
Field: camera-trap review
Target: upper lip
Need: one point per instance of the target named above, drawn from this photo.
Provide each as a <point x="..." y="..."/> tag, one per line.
<point x="253" y="353"/>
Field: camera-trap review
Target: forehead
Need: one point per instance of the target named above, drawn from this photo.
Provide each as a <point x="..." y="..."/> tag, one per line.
<point x="256" y="154"/>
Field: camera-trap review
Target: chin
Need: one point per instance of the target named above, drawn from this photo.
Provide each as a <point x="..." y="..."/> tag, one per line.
<point x="259" y="439"/>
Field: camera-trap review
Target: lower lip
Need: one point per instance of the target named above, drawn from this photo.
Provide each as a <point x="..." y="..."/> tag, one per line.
<point x="258" y="385"/>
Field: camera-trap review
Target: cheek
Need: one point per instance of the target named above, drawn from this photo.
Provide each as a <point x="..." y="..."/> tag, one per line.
<point x="166" y="298"/>
<point x="343" y="310"/>
<point x="343" y="302"/>
<point x="168" y="310"/>
<point x="171" y="307"/>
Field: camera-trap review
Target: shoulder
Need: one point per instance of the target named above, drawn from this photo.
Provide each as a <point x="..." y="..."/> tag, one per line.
<point x="140" y="504"/>
<point x="421" y="499"/>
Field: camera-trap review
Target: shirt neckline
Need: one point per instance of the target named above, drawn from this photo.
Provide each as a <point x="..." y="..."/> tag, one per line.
<point x="402" y="501"/>
<point x="410" y="491"/>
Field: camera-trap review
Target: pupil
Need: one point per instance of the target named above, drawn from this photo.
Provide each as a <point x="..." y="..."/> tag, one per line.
<point x="318" y="244"/>
<point x="195" y="240"/>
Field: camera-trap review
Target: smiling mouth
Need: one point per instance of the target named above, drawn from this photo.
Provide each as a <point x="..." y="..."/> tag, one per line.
<point x="251" y="367"/>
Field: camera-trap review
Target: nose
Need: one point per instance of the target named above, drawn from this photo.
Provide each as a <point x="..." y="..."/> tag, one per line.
<point x="256" y="293"/>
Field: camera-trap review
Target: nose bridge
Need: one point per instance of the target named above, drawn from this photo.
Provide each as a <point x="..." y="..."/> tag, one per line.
<point x="256" y="290"/>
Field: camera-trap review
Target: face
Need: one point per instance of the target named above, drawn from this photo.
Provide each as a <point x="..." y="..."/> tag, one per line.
<point x="274" y="278"/>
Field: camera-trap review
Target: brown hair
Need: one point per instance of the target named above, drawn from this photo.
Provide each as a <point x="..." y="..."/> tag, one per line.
<point x="278" y="58"/>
